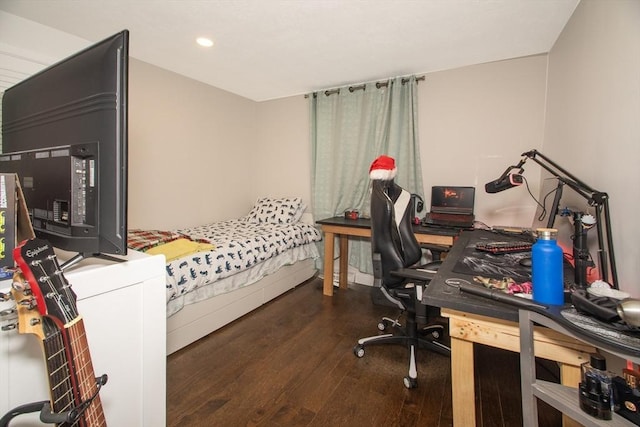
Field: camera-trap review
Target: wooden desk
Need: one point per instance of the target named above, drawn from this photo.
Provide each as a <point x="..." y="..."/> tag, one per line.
<point x="476" y="320"/>
<point x="341" y="228"/>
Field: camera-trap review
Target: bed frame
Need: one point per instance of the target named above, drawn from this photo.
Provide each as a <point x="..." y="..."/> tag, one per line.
<point x="195" y="321"/>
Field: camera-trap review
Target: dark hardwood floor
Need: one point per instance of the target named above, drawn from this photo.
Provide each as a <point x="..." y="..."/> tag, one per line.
<point x="290" y="363"/>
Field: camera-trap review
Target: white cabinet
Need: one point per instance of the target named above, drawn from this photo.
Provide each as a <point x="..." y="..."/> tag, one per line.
<point x="124" y="310"/>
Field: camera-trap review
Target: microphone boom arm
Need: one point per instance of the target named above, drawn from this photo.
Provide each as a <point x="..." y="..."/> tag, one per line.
<point x="597" y="199"/>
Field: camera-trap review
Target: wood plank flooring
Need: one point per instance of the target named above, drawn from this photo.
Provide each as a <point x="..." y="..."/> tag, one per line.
<point x="290" y="363"/>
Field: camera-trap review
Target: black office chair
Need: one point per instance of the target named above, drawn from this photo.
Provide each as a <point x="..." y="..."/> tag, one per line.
<point x="395" y="253"/>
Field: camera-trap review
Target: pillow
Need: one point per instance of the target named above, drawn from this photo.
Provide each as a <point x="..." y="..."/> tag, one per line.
<point x="276" y="211"/>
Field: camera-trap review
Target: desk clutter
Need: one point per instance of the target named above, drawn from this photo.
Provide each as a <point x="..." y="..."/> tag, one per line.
<point x="494" y="262"/>
<point x="504" y="247"/>
<point x="595" y="388"/>
<point x="602" y="392"/>
<point x="483" y="259"/>
<point x="504" y="260"/>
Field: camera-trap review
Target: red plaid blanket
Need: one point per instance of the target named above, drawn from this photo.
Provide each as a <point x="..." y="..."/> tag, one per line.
<point x="142" y="240"/>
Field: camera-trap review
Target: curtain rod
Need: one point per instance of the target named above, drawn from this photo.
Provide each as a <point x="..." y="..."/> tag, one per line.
<point x="363" y="86"/>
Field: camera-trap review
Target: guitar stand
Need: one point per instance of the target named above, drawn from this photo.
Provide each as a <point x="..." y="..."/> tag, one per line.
<point x="49" y="417"/>
<point x="22" y="409"/>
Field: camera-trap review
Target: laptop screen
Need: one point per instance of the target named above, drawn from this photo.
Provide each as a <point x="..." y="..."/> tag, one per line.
<point x="449" y="199"/>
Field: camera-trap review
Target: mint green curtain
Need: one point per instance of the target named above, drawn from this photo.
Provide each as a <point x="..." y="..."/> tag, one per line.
<point x="350" y="127"/>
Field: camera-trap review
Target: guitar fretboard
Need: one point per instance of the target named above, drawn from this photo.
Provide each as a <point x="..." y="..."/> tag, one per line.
<point x="60" y="382"/>
<point x="55" y="299"/>
<point x="83" y="367"/>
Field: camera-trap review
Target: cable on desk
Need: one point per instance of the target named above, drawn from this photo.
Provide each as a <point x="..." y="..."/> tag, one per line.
<point x="455" y="282"/>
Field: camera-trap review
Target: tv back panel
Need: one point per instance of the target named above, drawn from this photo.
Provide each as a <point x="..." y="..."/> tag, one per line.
<point x="64" y="132"/>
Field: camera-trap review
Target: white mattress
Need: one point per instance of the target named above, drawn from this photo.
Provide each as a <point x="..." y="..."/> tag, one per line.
<point x="243" y="253"/>
<point x="243" y="278"/>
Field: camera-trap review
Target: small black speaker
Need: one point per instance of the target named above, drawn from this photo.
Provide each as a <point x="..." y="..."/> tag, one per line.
<point x="418" y="202"/>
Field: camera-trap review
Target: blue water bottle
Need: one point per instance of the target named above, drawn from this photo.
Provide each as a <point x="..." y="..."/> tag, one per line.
<point x="546" y="265"/>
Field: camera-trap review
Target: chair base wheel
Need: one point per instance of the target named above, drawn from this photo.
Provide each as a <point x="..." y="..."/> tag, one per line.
<point x="358" y="350"/>
<point x="434" y="332"/>
<point x="386" y="322"/>
<point x="410" y="382"/>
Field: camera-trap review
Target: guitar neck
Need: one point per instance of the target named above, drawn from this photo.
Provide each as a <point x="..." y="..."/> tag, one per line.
<point x="55" y="299"/>
<point x="83" y="368"/>
<point x="60" y="380"/>
<point x="63" y="397"/>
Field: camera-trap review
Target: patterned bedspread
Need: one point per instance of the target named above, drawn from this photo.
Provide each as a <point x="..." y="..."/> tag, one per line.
<point x="239" y="245"/>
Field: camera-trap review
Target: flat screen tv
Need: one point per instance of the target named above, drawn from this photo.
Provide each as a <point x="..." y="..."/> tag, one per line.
<point x="64" y="132"/>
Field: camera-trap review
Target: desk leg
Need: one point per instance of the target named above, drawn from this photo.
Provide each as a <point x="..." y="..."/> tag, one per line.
<point x="463" y="383"/>
<point x="327" y="286"/>
<point x="344" y="260"/>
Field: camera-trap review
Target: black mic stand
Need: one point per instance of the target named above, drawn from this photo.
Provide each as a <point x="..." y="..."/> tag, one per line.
<point x="580" y="250"/>
<point x="581" y="258"/>
<point x="599" y="200"/>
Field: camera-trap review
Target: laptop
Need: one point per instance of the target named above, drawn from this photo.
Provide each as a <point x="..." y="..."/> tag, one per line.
<point x="451" y="207"/>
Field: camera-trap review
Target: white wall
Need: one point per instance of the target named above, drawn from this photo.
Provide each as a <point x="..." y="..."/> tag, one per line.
<point x="475" y="122"/>
<point x="281" y="151"/>
<point x="593" y="116"/>
<point x="199" y="154"/>
<point x="190" y="150"/>
<point x="27" y="47"/>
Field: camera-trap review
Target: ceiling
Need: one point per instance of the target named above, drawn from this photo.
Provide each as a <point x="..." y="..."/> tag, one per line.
<point x="269" y="49"/>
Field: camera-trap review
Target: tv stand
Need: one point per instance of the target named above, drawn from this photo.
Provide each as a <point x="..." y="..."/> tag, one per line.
<point x="83" y="255"/>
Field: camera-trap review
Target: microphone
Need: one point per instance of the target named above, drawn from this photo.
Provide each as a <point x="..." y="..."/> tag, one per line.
<point x="504" y="182"/>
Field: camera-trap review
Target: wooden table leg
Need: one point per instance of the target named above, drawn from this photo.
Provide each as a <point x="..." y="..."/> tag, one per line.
<point x="463" y="383"/>
<point x="466" y="329"/>
<point x="569" y="376"/>
<point x="344" y="261"/>
<point x="327" y="285"/>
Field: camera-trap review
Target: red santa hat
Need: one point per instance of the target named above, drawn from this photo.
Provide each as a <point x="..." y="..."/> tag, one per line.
<point x="384" y="168"/>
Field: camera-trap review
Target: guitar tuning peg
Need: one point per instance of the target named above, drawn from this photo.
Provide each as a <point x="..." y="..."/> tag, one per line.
<point x="5" y="297"/>
<point x="9" y="327"/>
<point x="7" y="312"/>
<point x="18" y="286"/>
<point x="9" y="315"/>
<point x="29" y="303"/>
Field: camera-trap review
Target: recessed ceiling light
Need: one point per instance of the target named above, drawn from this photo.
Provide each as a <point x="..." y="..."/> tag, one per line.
<point x="203" y="41"/>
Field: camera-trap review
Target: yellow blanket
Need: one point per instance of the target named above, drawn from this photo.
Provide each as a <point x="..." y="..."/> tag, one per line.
<point x="179" y="248"/>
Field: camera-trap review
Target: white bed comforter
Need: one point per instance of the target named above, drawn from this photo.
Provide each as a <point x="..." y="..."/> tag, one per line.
<point x="239" y="245"/>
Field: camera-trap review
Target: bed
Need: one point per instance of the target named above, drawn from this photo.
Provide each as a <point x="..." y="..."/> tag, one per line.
<point x="219" y="272"/>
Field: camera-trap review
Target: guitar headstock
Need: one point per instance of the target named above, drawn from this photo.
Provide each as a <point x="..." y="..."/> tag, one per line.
<point x="52" y="291"/>
<point x="29" y="319"/>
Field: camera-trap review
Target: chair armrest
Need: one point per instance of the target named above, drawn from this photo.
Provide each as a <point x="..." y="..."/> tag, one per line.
<point x="422" y="275"/>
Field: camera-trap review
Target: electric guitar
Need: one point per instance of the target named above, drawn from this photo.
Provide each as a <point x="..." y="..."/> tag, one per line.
<point x="63" y="398"/>
<point x="56" y="300"/>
